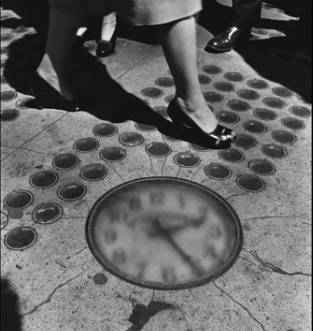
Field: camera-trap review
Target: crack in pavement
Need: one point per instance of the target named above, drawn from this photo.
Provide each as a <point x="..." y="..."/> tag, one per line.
<point x="244" y="258"/>
<point x="236" y="195"/>
<point x="44" y="302"/>
<point x="35" y="136"/>
<point x="240" y="304"/>
<point x="271" y="267"/>
<point x="76" y="253"/>
<point x="274" y="216"/>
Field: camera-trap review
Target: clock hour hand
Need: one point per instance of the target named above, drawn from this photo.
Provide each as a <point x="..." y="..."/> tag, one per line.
<point x="165" y="234"/>
<point x="183" y="222"/>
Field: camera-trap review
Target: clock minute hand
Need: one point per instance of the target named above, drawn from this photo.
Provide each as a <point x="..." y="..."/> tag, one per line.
<point x="196" y="270"/>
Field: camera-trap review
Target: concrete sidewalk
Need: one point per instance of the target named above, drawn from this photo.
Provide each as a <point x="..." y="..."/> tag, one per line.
<point x="265" y="177"/>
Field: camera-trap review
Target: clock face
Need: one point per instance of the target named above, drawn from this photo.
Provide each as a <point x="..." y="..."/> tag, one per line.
<point x="164" y="233"/>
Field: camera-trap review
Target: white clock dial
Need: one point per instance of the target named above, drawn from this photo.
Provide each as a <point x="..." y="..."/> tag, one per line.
<point x="164" y="233"/>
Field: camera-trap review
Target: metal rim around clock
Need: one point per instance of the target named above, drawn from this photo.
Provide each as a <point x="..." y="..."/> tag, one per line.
<point x="108" y="265"/>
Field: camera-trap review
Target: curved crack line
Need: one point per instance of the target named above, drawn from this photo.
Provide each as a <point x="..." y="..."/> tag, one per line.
<point x="274" y="216"/>
<point x="240" y="304"/>
<point x="118" y="174"/>
<point x="273" y="268"/>
<point x="244" y="258"/>
<point x="50" y="296"/>
<point x="237" y="195"/>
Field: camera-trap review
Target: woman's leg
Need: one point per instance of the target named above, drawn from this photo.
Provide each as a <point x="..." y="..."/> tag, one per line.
<point x="62" y="31"/>
<point x="108" y="27"/>
<point x="178" y="40"/>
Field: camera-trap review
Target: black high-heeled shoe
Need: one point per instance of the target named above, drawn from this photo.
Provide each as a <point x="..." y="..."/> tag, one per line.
<point x="220" y="138"/>
<point x="46" y="96"/>
<point x="106" y="48"/>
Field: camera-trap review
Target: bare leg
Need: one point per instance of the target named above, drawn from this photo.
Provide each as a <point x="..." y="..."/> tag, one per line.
<point x="61" y="35"/>
<point x="108" y="26"/>
<point x="178" y="40"/>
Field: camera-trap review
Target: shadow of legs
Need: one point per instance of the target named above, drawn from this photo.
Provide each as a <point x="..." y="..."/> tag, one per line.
<point x="10" y="316"/>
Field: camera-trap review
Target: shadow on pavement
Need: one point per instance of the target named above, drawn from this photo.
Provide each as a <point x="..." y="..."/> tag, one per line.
<point x="94" y="90"/>
<point x="10" y="316"/>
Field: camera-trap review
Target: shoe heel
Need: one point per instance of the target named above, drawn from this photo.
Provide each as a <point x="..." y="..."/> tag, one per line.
<point x="178" y="116"/>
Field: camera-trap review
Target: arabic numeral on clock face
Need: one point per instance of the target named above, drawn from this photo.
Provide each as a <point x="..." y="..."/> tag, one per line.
<point x="215" y="232"/>
<point x="141" y="269"/>
<point x="211" y="252"/>
<point x="168" y="275"/>
<point x="134" y="203"/>
<point x="110" y="236"/>
<point x="118" y="215"/>
<point x="157" y="198"/>
<point x="119" y="256"/>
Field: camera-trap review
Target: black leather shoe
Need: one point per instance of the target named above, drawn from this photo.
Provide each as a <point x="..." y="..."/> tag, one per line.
<point x="106" y="48"/>
<point x="220" y="138"/>
<point x="227" y="40"/>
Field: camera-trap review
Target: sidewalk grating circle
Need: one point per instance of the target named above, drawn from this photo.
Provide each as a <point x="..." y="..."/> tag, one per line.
<point x="265" y="114"/>
<point x="199" y="148"/>
<point x="105" y="130"/>
<point x="131" y="139"/>
<point x="71" y="191"/>
<point x="231" y="155"/>
<point x="282" y="92"/>
<point x="284" y="137"/>
<point x="85" y="145"/>
<point x="274" y="102"/>
<point x="213" y="97"/>
<point x="44" y="179"/>
<point x="254" y="126"/>
<point x="65" y="161"/>
<point x="145" y="127"/>
<point x="8" y="115"/>
<point x="300" y="111"/>
<point x="250" y="183"/>
<point x="158" y="149"/>
<point x="47" y="213"/>
<point x="227" y="117"/>
<point x="203" y="79"/>
<point x="217" y="171"/>
<point x="112" y="154"/>
<point x="211" y="69"/>
<point x="152" y="92"/>
<point x="223" y="86"/>
<point x="248" y="94"/>
<point x="4" y="220"/>
<point x="18" y="199"/>
<point x="245" y="141"/>
<point x="165" y="82"/>
<point x="262" y="167"/>
<point x="234" y="76"/>
<point x="274" y="151"/>
<point x="293" y="123"/>
<point x="258" y="84"/>
<point x="187" y="160"/>
<point x="20" y="238"/>
<point x="8" y="95"/>
<point x="238" y="105"/>
<point x="94" y="172"/>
